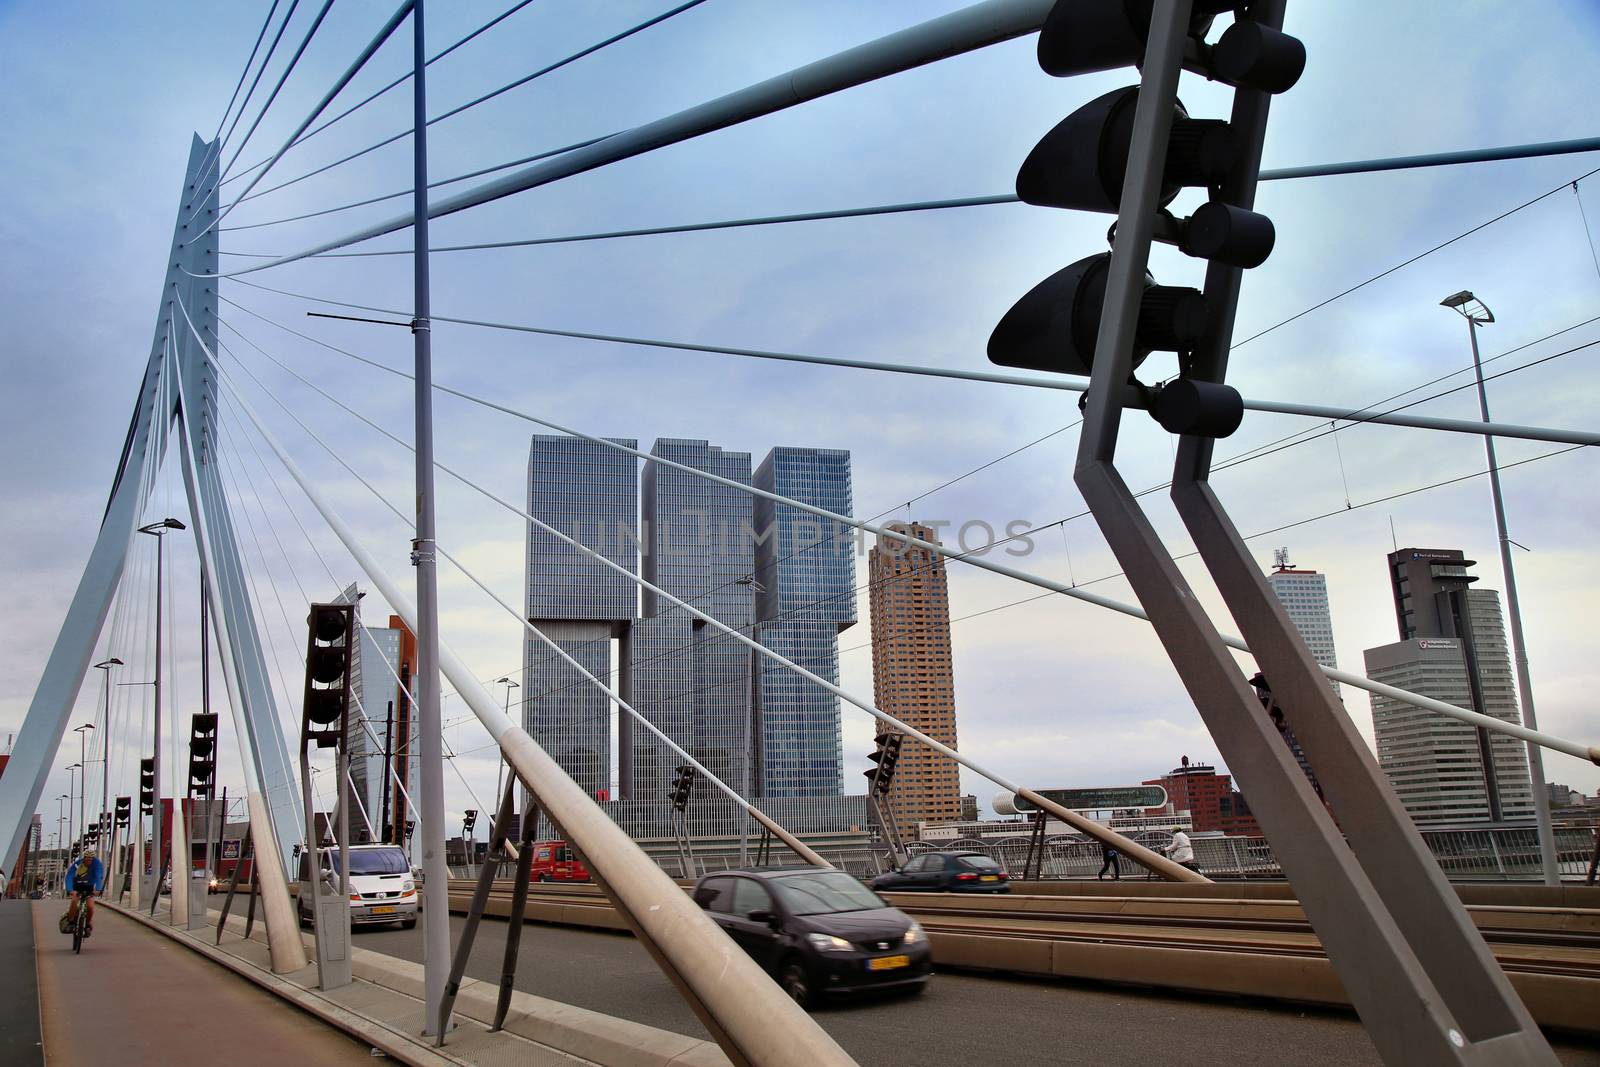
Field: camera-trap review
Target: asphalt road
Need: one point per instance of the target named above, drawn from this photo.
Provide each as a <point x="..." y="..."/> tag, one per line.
<point x="962" y="1018"/>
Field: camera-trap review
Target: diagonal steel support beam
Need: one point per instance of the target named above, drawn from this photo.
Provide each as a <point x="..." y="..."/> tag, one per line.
<point x="1420" y="975"/>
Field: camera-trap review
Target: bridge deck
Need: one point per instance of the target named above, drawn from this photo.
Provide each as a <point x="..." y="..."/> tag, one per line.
<point x="135" y="997"/>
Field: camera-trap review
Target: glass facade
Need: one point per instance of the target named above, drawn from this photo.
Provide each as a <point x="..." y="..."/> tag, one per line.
<point x="806" y="570"/>
<point x="688" y="678"/>
<point x="590" y="493"/>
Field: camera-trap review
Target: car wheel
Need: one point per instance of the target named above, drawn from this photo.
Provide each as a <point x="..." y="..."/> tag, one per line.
<point x="797" y="983"/>
<point x="408" y="924"/>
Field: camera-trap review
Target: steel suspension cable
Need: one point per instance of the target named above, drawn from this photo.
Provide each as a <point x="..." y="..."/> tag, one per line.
<point x="407" y="76"/>
<point x="574" y="57"/>
<point x="254" y="83"/>
<point x="216" y="149"/>
<point x="383" y="34"/>
<point x="294" y="60"/>
<point x="1143" y="856"/>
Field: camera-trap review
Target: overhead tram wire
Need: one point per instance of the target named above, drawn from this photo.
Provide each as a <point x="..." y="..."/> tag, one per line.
<point x="1058" y="523"/>
<point x="403" y="134"/>
<point x="400" y="13"/>
<point x="1332" y="169"/>
<point x="1066" y="383"/>
<point x="1073" y="591"/>
<point x="351" y="110"/>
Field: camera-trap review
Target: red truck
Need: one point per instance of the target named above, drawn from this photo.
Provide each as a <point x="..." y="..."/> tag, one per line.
<point x="554" y="861"/>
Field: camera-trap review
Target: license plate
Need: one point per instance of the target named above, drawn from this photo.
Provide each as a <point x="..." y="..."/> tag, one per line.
<point x="888" y="963"/>
<point x="384" y="909"/>
<point x="989" y="878"/>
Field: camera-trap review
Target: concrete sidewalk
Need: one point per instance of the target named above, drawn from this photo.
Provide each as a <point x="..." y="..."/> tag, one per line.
<point x="135" y="997"/>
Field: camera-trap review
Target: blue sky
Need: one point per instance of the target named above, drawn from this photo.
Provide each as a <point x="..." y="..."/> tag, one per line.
<point x="100" y="100"/>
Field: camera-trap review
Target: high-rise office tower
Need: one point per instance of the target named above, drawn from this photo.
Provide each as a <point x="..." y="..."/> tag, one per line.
<point x="805" y="596"/>
<point x="1304" y="596"/>
<point x="374" y="670"/>
<point x="689" y="679"/>
<point x="1452" y="648"/>
<point x="912" y="678"/>
<point x="588" y="492"/>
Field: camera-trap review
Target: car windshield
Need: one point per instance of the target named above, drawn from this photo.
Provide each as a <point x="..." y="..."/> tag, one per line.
<point x="824" y="892"/>
<point x="374" y="861"/>
<point x="980" y="863"/>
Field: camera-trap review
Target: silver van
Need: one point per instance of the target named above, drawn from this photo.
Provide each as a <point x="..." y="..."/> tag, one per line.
<point x="382" y="886"/>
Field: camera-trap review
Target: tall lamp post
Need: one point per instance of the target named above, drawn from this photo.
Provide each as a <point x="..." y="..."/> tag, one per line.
<point x="83" y="773"/>
<point x="61" y="840"/>
<point x="72" y="837"/>
<point x="157" y="530"/>
<point x="499" y="774"/>
<point x="1477" y="313"/>
<point x="105" y="738"/>
<point x="756" y="588"/>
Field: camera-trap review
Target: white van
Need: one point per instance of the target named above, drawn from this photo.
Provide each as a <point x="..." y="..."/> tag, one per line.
<point x="382" y="888"/>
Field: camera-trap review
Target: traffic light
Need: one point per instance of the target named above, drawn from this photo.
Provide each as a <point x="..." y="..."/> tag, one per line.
<point x="884" y="757"/>
<point x="147" y="786"/>
<point x="1268" y="701"/>
<point x="1083" y="164"/>
<point x="202" y="754"/>
<point x="124" y="804"/>
<point x="681" y="786"/>
<point x="469" y="819"/>
<point x="411" y="828"/>
<point x="329" y="647"/>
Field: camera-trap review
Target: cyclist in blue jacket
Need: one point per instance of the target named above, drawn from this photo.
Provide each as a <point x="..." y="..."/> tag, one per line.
<point x="84" y="879"/>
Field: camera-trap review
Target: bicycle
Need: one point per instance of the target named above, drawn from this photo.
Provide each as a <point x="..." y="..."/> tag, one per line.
<point x="80" y="928"/>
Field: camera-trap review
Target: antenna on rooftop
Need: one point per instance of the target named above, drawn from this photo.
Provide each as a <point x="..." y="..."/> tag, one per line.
<point x="1280" y="559"/>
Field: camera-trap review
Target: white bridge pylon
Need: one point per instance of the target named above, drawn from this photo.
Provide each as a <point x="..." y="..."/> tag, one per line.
<point x="166" y="395"/>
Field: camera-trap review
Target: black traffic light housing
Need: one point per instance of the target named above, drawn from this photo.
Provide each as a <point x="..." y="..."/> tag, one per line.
<point x="124" y="806"/>
<point x="884" y="757"/>
<point x="469" y="819"/>
<point x="330" y="646"/>
<point x="202" y="754"/>
<point x="681" y="787"/>
<point x="1081" y="164"/>
<point x="147" y="785"/>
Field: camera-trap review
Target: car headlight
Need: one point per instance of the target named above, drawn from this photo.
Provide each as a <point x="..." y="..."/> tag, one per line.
<point x="406" y="887"/>
<point x="914" y="934"/>
<point x="829" y="943"/>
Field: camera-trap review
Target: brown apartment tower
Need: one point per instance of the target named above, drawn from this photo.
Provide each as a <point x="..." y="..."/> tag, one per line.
<point x="911" y="673"/>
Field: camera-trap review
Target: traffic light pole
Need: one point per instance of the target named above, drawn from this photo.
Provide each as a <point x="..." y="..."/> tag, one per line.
<point x="435" y="875"/>
<point x="1421" y="977"/>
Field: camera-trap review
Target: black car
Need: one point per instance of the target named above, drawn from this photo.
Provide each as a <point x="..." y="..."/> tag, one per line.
<point x="818" y="932"/>
<point x="946" y="872"/>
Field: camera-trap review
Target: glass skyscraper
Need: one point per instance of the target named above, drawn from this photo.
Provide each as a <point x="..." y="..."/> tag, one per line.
<point x="805" y="568"/>
<point x="690" y="679"/>
<point x="590" y="493"/>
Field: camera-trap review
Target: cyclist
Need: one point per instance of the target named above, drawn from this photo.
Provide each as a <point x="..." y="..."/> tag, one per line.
<point x="84" y="879"/>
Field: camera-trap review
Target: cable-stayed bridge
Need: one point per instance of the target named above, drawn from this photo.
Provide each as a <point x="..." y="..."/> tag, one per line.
<point x="205" y="421"/>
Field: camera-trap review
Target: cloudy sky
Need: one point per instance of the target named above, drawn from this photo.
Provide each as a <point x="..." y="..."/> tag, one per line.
<point x="99" y="101"/>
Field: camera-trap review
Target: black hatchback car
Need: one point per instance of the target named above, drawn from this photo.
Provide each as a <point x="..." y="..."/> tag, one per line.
<point x="946" y="872"/>
<point x="818" y="932"/>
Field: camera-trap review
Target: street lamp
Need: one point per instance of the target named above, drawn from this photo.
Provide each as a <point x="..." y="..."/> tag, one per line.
<point x="61" y="839"/>
<point x="83" y="772"/>
<point x="1477" y="313"/>
<point x="500" y="770"/>
<point x="72" y="837"/>
<point x="158" y="531"/>
<point x="105" y="742"/>
<point x="744" y="789"/>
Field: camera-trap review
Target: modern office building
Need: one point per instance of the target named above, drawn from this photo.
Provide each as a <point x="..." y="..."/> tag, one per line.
<point x="690" y="679"/>
<point x="589" y="493"/>
<point x="804" y="598"/>
<point x="912" y="675"/>
<point x="1452" y="648"/>
<point x="1304" y="596"/>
